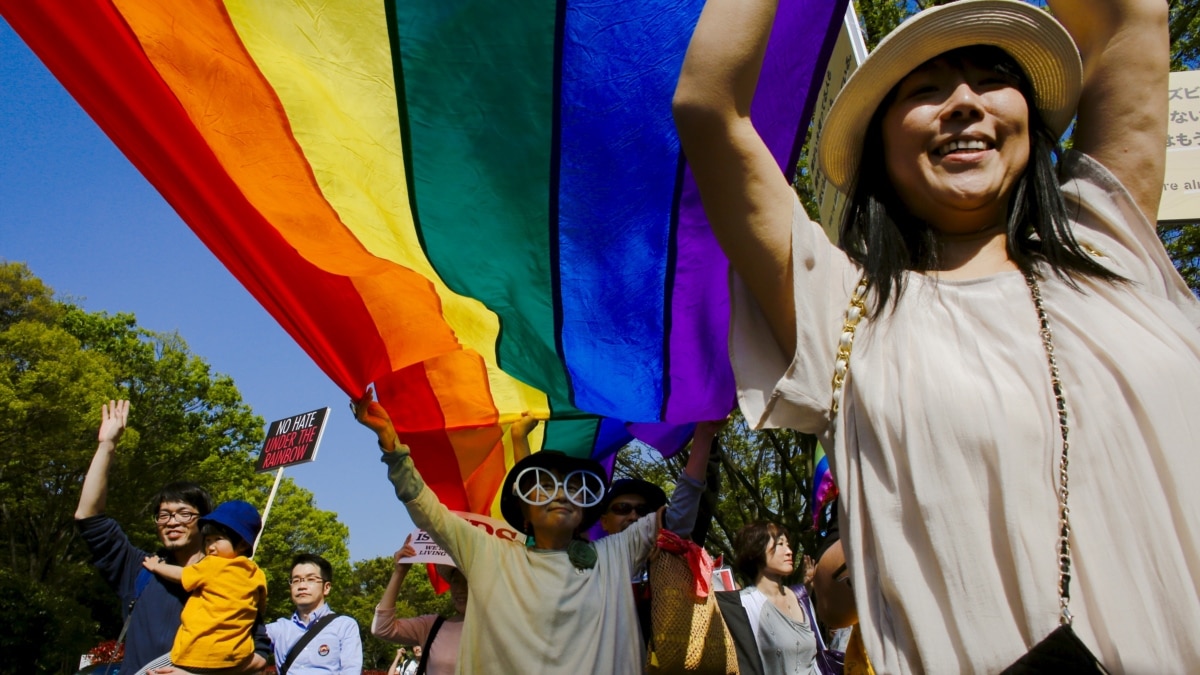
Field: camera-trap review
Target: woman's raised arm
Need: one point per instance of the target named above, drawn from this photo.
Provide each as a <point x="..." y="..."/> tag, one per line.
<point x="1126" y="51"/>
<point x="747" y="199"/>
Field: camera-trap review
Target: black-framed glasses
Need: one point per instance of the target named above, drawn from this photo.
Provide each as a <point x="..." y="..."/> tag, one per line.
<point x="625" y="508"/>
<point x="296" y="581"/>
<point x="181" y="517"/>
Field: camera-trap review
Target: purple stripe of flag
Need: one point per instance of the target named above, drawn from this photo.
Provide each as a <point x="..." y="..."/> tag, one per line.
<point x="700" y="379"/>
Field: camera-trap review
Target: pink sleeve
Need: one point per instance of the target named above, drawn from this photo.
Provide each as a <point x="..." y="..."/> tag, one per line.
<point x="414" y="631"/>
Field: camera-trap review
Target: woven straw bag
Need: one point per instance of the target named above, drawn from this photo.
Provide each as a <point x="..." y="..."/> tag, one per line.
<point x="688" y="633"/>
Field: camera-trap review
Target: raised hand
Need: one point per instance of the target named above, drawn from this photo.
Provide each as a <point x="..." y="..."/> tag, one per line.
<point x="371" y="414"/>
<point x="810" y="570"/>
<point x="406" y="551"/>
<point x="113" y="417"/>
<point x="524" y="425"/>
<point x="710" y="428"/>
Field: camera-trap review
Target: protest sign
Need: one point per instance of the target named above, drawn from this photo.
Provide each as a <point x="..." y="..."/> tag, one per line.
<point x="430" y="553"/>
<point x="849" y="51"/>
<point x="1181" y="185"/>
<point x="292" y="440"/>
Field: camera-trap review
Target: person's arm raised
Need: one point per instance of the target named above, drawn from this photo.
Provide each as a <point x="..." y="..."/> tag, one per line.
<point x="746" y="197"/>
<point x="680" y="514"/>
<point x="455" y="535"/>
<point x="387" y="604"/>
<point x="94" y="495"/>
<point x="1122" y="120"/>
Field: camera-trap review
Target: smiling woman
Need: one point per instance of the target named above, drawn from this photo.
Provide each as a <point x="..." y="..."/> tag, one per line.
<point x="986" y="302"/>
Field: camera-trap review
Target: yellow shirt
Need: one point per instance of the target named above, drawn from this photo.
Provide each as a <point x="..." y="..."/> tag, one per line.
<point x="216" y="629"/>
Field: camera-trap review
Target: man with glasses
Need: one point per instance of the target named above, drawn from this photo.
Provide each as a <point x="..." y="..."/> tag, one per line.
<point x="315" y="639"/>
<point x="150" y="603"/>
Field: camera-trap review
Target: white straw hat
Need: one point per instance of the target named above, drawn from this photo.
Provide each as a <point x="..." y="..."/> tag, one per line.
<point x="1029" y="35"/>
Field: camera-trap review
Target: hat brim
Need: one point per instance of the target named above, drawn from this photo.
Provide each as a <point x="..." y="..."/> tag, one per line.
<point x="1034" y="39"/>
<point x="510" y="504"/>
<point x="654" y="495"/>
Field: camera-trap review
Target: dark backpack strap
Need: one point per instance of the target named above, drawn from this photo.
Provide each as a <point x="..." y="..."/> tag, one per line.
<point x="308" y="636"/>
<point x="433" y="631"/>
<point x="139" y="584"/>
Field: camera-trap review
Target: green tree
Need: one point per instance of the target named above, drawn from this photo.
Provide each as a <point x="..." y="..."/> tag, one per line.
<point x="763" y="475"/>
<point x="295" y="525"/>
<point x="1185" y="34"/>
<point x="58" y="363"/>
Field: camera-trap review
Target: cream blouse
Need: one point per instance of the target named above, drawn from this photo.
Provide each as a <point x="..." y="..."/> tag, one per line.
<point x="947" y="443"/>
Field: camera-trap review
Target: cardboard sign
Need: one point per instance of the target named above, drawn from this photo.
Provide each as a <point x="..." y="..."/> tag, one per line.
<point x="430" y="553"/>
<point x="292" y="440"/>
<point x="1181" y="185"/>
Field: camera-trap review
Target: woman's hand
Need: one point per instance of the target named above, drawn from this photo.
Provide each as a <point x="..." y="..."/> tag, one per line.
<point x="406" y="551"/>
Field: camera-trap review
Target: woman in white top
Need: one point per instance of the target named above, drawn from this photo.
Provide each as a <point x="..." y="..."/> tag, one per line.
<point x="946" y="435"/>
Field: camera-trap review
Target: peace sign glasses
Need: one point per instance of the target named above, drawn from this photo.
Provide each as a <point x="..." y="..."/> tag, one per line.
<point x="538" y="486"/>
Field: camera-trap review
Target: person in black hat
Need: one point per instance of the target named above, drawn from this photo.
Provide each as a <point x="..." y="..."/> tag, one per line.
<point x="628" y="500"/>
<point x="556" y="604"/>
<point x="228" y="593"/>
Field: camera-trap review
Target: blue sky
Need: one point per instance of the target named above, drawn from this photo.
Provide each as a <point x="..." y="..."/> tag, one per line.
<point x="87" y="223"/>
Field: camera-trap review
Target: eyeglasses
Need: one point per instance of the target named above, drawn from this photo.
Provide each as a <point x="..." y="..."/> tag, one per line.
<point x="296" y="581"/>
<point x="537" y="486"/>
<point x="181" y="517"/>
<point x="625" y="508"/>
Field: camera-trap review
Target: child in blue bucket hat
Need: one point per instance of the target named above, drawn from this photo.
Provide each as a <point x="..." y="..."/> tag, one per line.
<point x="228" y="593"/>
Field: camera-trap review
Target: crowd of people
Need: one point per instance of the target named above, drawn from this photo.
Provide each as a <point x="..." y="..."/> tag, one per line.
<point x="993" y="308"/>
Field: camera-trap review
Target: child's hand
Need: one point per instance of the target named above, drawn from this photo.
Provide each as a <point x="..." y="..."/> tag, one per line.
<point x="153" y="563"/>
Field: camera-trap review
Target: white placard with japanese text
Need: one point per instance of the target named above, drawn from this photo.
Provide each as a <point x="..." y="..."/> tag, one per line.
<point x="1181" y="185"/>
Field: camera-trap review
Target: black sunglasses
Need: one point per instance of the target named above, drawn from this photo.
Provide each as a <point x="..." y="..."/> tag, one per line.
<point x="625" y="508"/>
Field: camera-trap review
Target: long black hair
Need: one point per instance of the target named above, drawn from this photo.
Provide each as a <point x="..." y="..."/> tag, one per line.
<point x="886" y="240"/>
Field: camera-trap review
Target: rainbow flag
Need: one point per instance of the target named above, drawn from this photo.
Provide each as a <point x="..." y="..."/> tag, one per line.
<point x="824" y="490"/>
<point x="479" y="206"/>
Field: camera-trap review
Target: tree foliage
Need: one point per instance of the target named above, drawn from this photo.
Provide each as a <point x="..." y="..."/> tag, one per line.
<point x="58" y="363"/>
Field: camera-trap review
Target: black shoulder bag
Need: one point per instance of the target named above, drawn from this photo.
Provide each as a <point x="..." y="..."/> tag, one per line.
<point x="433" y="631"/>
<point x="293" y="653"/>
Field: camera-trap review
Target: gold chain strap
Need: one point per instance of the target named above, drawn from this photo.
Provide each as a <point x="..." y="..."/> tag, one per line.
<point x="1064" y="512"/>
<point x="841" y="365"/>
<point x="854" y="314"/>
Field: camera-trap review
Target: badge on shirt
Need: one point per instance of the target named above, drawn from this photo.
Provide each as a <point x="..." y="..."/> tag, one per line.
<point x="324" y="650"/>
